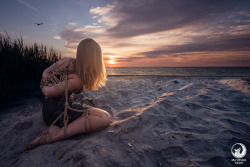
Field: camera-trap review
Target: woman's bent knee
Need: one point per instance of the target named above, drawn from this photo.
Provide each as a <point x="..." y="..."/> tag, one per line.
<point x="107" y="119"/>
<point x="98" y="112"/>
<point x="104" y="115"/>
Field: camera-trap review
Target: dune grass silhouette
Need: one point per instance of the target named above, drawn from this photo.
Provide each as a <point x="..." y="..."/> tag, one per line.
<point x="22" y="64"/>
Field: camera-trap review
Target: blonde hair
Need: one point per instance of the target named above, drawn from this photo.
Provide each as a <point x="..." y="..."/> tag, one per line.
<point x="89" y="64"/>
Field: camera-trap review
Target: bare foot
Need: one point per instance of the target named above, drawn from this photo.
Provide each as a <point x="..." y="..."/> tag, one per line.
<point x="50" y="137"/>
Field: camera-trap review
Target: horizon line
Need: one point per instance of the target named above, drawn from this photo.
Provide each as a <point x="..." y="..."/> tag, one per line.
<point x="179" y="67"/>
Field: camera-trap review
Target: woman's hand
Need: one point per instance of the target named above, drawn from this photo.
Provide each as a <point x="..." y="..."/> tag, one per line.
<point x="55" y="90"/>
<point x="45" y="91"/>
<point x="45" y="74"/>
<point x="50" y="85"/>
<point x="42" y="83"/>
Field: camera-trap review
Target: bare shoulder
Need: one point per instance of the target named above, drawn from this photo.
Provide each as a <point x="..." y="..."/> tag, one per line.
<point x="64" y="61"/>
<point x="73" y="76"/>
<point x="75" y="80"/>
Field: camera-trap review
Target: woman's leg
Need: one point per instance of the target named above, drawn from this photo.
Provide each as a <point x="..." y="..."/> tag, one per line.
<point x="98" y="118"/>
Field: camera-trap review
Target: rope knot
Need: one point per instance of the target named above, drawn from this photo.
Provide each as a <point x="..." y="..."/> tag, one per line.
<point x="67" y="104"/>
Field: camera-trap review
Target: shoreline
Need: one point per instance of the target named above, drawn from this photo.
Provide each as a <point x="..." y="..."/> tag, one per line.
<point x="174" y="76"/>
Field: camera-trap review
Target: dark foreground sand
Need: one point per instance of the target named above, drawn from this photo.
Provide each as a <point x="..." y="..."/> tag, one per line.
<point x="156" y="122"/>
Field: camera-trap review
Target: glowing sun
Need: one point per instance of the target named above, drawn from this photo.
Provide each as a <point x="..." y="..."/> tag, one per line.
<point x="111" y="61"/>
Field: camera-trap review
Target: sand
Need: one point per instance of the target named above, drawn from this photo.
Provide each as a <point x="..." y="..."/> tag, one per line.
<point x="157" y="121"/>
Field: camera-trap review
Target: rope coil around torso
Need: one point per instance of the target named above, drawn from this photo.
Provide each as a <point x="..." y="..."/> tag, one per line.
<point x="57" y="76"/>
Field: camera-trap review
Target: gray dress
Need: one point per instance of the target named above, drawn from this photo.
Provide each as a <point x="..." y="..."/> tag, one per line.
<point x="53" y="107"/>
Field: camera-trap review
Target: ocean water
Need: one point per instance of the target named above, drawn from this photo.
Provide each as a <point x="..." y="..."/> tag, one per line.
<point x="179" y="71"/>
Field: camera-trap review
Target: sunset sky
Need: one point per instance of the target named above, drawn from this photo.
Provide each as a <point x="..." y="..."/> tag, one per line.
<point x="170" y="33"/>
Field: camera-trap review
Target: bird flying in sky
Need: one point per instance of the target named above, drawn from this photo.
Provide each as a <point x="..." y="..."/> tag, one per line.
<point x="38" y="24"/>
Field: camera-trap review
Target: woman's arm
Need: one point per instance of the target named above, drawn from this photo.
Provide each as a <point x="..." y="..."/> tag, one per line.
<point x="59" y="63"/>
<point x="48" y="70"/>
<point x="46" y="74"/>
<point x="51" y="91"/>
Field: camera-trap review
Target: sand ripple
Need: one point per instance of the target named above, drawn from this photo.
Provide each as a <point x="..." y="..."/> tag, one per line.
<point x="156" y="122"/>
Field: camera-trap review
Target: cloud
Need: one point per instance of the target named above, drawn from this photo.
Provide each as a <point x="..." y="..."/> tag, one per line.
<point x="74" y="35"/>
<point x="72" y="38"/>
<point x="228" y="43"/>
<point x="133" y="31"/>
<point x="128" y="59"/>
<point x="57" y="37"/>
<point x="124" y="19"/>
<point x="27" y="4"/>
<point x="72" y="24"/>
<point x="101" y="11"/>
<point x="148" y="16"/>
<point x="91" y="29"/>
<point x="234" y="43"/>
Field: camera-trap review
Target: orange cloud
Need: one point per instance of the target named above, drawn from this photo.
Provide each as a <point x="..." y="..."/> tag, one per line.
<point x="164" y="33"/>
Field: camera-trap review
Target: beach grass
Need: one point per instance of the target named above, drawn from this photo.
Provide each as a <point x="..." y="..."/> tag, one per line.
<point x="21" y="64"/>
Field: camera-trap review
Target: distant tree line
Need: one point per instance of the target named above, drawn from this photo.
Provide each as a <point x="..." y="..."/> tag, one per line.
<point x="21" y="64"/>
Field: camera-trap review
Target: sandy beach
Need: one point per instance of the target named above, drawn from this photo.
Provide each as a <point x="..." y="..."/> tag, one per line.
<point x="157" y="121"/>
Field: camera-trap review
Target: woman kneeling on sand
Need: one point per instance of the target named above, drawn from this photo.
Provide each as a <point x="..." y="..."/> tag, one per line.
<point x="66" y="117"/>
